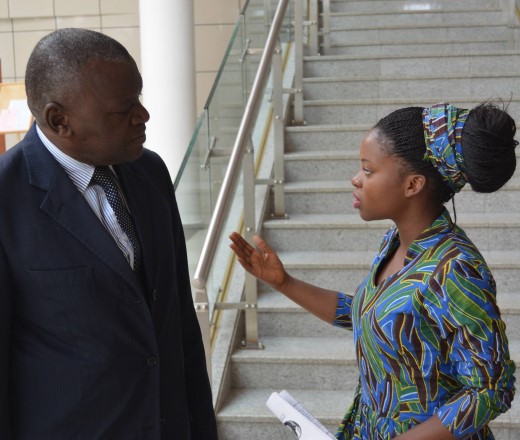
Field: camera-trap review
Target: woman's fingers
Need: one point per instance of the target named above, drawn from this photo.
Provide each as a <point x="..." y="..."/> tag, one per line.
<point x="262" y="245"/>
<point x="249" y="257"/>
<point x="261" y="261"/>
<point x="244" y="251"/>
<point x="240" y="246"/>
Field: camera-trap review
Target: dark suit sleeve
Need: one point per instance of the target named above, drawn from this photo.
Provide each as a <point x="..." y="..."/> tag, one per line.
<point x="200" y="403"/>
<point x="5" y="331"/>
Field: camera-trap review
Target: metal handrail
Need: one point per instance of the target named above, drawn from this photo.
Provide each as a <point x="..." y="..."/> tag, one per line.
<point x="241" y="143"/>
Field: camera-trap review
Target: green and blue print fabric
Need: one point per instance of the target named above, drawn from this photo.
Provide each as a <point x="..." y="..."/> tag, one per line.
<point x="429" y="341"/>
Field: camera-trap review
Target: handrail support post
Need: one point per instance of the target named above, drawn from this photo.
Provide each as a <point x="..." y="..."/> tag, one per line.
<point x="298" y="68"/>
<point x="279" y="136"/>
<point x="202" y="310"/>
<point x="250" y="287"/>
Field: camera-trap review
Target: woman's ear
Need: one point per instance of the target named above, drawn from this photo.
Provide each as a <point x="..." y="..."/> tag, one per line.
<point x="56" y="119"/>
<point x="414" y="184"/>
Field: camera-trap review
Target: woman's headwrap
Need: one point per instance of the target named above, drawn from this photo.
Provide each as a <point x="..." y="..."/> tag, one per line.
<point x="443" y="125"/>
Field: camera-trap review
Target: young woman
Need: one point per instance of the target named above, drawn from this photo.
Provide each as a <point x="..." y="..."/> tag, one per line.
<point x="430" y="343"/>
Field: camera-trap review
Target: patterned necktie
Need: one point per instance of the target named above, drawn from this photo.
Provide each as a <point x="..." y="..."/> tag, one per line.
<point x="104" y="177"/>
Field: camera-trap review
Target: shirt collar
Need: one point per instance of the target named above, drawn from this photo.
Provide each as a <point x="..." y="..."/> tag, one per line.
<point x="80" y="173"/>
<point x="426" y="239"/>
<point x="430" y="236"/>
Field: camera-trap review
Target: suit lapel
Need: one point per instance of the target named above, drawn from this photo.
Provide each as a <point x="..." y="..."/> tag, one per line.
<point x="65" y="204"/>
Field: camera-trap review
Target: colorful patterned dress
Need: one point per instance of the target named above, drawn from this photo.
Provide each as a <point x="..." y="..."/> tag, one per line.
<point x="429" y="340"/>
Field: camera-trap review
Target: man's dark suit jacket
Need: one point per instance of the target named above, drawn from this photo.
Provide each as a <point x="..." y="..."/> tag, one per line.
<point x="86" y="352"/>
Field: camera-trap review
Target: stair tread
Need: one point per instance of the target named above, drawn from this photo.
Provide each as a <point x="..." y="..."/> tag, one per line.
<point x="344" y="186"/>
<point x="249" y="404"/>
<point x="408" y="13"/>
<point x="300" y="350"/>
<point x="362" y="259"/>
<point x="328" y="127"/>
<point x="427" y="45"/>
<point x="327" y="406"/>
<point x="312" y="221"/>
<point x="316" y="350"/>
<point x="414" y="26"/>
<point x="405" y="78"/>
<point x="313" y="155"/>
<point x="390" y="101"/>
<point x="508" y="53"/>
<point x="272" y="301"/>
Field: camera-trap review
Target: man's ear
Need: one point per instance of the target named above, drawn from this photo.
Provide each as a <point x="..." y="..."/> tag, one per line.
<point x="56" y="119"/>
<point x="414" y="184"/>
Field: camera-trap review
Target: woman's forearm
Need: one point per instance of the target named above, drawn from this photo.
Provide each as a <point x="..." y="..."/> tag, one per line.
<point x="320" y="302"/>
<point x="431" y="429"/>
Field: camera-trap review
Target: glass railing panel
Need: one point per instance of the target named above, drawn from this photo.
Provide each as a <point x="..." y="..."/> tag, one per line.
<point x="200" y="178"/>
<point x="193" y="191"/>
<point x="216" y="280"/>
<point x="225" y="108"/>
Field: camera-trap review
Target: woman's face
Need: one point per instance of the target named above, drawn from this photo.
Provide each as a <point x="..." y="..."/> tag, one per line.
<point x="379" y="186"/>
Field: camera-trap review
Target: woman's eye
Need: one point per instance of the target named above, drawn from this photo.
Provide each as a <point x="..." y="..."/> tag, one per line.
<point x="367" y="172"/>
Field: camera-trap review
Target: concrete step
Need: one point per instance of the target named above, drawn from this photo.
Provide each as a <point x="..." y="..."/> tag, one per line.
<point x="327" y="363"/>
<point x="344" y="270"/>
<point x="323" y="165"/>
<point x="280" y="317"/>
<point x="400" y="34"/>
<point x="428" y="88"/>
<point x="430" y="63"/>
<point x="358" y="111"/>
<point x="335" y="197"/>
<point x="319" y="165"/>
<point x="411" y="48"/>
<point x="338" y="137"/>
<point x="399" y="6"/>
<point x="345" y="232"/>
<point x="427" y="18"/>
<point x="245" y="416"/>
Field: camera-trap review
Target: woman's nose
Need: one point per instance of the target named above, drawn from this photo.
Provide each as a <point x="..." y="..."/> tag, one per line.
<point x="356" y="182"/>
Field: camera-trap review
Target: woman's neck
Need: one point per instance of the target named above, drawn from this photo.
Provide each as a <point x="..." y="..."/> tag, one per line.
<point x="412" y="224"/>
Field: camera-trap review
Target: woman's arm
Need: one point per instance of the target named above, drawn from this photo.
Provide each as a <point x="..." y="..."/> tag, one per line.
<point x="462" y="293"/>
<point x="432" y="429"/>
<point x="264" y="264"/>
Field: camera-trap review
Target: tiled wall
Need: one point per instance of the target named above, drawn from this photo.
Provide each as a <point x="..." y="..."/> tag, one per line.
<point x="24" y="22"/>
<point x="214" y="24"/>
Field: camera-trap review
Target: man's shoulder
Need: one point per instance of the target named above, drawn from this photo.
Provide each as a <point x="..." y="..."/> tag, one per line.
<point x="15" y="153"/>
<point x="11" y="160"/>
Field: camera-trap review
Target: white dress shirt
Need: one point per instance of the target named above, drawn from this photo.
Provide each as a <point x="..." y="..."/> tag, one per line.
<point x="81" y="173"/>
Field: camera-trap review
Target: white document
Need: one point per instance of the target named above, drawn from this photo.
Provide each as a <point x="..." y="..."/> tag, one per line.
<point x="15" y="118"/>
<point x="296" y="418"/>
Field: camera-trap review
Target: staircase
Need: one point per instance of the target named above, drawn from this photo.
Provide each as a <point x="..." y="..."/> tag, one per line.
<point x="383" y="55"/>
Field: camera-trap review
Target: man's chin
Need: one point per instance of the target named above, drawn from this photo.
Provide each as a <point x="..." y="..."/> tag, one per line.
<point x="135" y="153"/>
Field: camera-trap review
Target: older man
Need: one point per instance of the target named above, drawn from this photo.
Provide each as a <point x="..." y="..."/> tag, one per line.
<point x="98" y="335"/>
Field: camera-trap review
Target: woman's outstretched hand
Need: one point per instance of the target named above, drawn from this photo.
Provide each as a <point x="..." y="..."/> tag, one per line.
<point x="262" y="261"/>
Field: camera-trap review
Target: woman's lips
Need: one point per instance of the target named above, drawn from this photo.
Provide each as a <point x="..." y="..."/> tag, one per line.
<point x="356" y="203"/>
